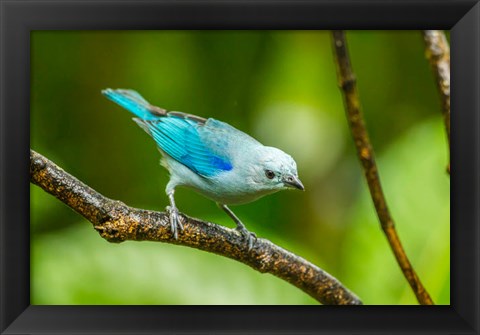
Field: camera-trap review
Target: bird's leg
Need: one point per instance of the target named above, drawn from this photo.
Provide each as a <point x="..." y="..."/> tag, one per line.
<point x="172" y="211"/>
<point x="248" y="235"/>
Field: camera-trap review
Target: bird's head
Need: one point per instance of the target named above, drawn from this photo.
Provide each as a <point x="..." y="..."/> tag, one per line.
<point x="277" y="170"/>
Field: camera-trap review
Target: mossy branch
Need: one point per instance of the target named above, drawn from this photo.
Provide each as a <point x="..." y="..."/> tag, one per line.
<point x="117" y="222"/>
<point x="437" y="52"/>
<point x="347" y="83"/>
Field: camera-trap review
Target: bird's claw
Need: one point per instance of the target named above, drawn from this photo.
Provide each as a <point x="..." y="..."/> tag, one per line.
<point x="175" y="222"/>
<point x="247" y="235"/>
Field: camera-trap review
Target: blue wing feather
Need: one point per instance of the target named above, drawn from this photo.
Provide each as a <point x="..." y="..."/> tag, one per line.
<point x="180" y="139"/>
<point x="183" y="137"/>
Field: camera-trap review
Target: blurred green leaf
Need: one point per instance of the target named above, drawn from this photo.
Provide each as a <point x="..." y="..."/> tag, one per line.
<point x="84" y="269"/>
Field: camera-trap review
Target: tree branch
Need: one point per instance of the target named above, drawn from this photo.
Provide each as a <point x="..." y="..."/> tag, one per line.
<point x="347" y="83"/>
<point x="437" y="52"/>
<point x="117" y="222"/>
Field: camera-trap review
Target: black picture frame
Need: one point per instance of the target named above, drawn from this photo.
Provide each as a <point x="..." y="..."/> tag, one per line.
<point x="18" y="18"/>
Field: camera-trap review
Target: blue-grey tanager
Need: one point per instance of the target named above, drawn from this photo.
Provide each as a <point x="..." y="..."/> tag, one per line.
<point x="215" y="159"/>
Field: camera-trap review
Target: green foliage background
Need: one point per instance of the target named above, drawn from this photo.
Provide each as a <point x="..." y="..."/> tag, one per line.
<point x="278" y="86"/>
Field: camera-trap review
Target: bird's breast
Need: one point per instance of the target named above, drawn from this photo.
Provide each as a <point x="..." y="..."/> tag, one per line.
<point x="232" y="188"/>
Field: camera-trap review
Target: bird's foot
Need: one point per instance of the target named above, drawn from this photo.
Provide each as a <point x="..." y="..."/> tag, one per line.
<point x="175" y="221"/>
<point x="247" y="235"/>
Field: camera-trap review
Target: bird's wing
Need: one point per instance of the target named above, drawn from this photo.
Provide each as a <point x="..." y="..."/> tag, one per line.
<point x="206" y="146"/>
<point x="183" y="138"/>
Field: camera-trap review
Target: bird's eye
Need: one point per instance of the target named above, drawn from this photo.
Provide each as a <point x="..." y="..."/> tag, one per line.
<point x="270" y="174"/>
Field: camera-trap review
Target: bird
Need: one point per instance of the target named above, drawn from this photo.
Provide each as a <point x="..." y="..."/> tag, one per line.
<point x="211" y="157"/>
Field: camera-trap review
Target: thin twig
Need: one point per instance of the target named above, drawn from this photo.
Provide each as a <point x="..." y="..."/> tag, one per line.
<point x="437" y="52"/>
<point x="347" y="83"/>
<point x="117" y="222"/>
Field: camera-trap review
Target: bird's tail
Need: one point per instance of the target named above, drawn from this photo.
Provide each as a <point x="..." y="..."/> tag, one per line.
<point x="132" y="101"/>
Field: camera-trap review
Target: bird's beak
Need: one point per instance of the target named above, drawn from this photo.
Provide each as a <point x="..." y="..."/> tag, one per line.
<point x="293" y="181"/>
